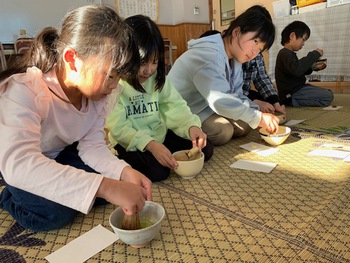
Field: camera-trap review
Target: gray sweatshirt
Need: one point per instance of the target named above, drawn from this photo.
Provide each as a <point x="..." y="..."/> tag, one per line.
<point x="210" y="83"/>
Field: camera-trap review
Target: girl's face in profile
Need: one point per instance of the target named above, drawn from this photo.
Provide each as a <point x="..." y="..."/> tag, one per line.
<point x="97" y="83"/>
<point x="244" y="47"/>
<point x="148" y="68"/>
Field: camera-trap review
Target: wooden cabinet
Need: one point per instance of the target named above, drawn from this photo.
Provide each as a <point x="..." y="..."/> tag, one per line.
<point x="180" y="34"/>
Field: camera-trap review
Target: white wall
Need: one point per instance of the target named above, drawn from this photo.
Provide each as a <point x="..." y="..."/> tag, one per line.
<point x="33" y="15"/>
<point x="172" y="12"/>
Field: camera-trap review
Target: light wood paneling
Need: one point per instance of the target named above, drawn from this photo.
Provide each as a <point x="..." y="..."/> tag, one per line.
<point x="180" y="34"/>
<point x="241" y="6"/>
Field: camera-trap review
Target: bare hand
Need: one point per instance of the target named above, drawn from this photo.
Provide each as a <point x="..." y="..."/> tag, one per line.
<point x="320" y="51"/>
<point x="198" y="137"/>
<point x="265" y="106"/>
<point x="130" y="193"/>
<point x="133" y="176"/>
<point x="162" y="154"/>
<point x="280" y="108"/>
<point x="270" y="122"/>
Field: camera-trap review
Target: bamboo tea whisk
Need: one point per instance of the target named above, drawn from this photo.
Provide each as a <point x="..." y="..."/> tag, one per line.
<point x="131" y="222"/>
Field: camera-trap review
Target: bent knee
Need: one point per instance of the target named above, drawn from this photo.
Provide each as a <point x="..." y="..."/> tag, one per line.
<point x="330" y="98"/>
<point x="55" y="220"/>
<point x="221" y="135"/>
<point x="241" y="128"/>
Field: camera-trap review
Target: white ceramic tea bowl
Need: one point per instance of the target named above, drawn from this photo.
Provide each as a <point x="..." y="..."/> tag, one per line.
<point x="275" y="138"/>
<point x="190" y="168"/>
<point x="152" y="213"/>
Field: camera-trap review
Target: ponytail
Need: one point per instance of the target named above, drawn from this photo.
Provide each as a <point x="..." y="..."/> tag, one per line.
<point x="41" y="54"/>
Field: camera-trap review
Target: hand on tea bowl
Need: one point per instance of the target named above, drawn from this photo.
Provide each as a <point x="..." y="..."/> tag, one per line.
<point x="151" y="218"/>
<point x="276" y="138"/>
<point x="190" y="168"/>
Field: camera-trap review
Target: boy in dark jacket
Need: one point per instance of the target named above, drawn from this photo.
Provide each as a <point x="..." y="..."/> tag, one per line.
<point x="290" y="71"/>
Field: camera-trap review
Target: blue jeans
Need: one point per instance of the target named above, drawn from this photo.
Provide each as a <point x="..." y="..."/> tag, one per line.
<point x="312" y="96"/>
<point x="37" y="213"/>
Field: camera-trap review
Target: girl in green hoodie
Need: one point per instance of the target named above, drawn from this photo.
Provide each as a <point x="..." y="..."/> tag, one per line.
<point x="148" y="124"/>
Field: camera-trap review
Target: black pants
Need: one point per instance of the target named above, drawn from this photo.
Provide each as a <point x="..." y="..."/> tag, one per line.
<point x="147" y="164"/>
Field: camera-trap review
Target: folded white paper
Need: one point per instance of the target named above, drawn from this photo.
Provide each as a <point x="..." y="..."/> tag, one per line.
<point x="265" y="167"/>
<point x="332" y="150"/>
<point x="332" y="107"/>
<point x="329" y="153"/>
<point x="83" y="247"/>
<point x="260" y="149"/>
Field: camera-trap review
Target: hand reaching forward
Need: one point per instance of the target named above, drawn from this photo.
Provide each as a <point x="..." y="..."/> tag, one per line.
<point x="162" y="154"/>
<point x="280" y="108"/>
<point x="270" y="122"/>
<point x="130" y="192"/>
<point x="265" y="106"/>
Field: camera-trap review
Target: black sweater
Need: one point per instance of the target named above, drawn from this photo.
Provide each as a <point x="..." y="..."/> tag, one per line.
<point x="290" y="71"/>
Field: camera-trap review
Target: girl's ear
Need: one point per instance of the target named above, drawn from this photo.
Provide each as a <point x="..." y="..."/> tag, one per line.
<point x="70" y="57"/>
<point x="236" y="31"/>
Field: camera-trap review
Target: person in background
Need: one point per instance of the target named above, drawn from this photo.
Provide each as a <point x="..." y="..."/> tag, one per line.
<point x="151" y="122"/>
<point x="290" y="71"/>
<point x="55" y="162"/>
<point x="209" y="77"/>
<point x="254" y="71"/>
<point x="265" y="94"/>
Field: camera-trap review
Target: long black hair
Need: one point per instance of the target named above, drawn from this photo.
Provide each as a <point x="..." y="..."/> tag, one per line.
<point x="150" y="43"/>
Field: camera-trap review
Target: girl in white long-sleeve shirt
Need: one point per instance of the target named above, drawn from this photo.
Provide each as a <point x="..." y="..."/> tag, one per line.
<point x="54" y="161"/>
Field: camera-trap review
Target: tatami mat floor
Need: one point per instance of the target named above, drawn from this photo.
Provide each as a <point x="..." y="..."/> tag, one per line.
<point x="300" y="212"/>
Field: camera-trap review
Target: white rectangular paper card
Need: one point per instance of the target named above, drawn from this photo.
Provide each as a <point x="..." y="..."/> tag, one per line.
<point x="331" y="150"/>
<point x="329" y="153"/>
<point x="83" y="247"/>
<point x="264" y="167"/>
<point x="332" y="107"/>
<point x="260" y="149"/>
<point x="347" y="159"/>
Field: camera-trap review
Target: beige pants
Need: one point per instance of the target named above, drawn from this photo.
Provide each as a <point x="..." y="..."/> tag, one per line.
<point x="221" y="130"/>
